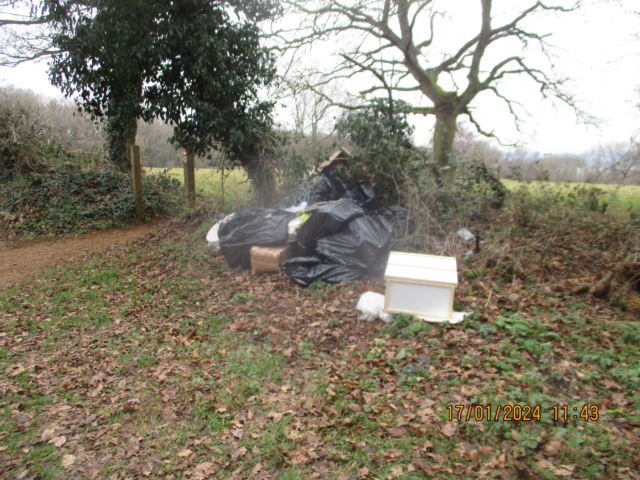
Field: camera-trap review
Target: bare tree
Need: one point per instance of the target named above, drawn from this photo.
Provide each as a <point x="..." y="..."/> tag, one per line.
<point x="521" y="164"/>
<point x="311" y="107"/>
<point x="391" y="41"/>
<point x="34" y="120"/>
<point x="25" y="33"/>
<point x="468" y="145"/>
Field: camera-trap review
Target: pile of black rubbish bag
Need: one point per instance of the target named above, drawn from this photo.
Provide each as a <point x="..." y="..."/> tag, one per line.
<point x="348" y="236"/>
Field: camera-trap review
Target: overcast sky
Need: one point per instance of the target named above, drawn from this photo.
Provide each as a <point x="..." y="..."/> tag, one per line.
<point x="597" y="53"/>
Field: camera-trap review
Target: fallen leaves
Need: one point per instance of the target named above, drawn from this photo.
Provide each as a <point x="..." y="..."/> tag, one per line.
<point x="15" y="370"/>
<point x="275" y="416"/>
<point x="450" y="429"/>
<point x="238" y="452"/>
<point x="47" y="434"/>
<point x="552" y="448"/>
<point x="68" y="461"/>
<point x="565" y="470"/>
<point x="393" y="454"/>
<point x="58" y="441"/>
<point x="561" y="471"/>
<point x="89" y="419"/>
<point x="203" y="471"/>
<point x="345" y="401"/>
<point x="363" y="473"/>
<point x="397" y="471"/>
<point x="22" y="419"/>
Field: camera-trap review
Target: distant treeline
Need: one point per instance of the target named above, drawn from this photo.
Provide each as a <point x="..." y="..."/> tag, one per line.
<point x="58" y="120"/>
<point x="608" y="163"/>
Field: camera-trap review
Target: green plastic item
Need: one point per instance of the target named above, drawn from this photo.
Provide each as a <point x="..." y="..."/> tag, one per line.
<point x="304" y="216"/>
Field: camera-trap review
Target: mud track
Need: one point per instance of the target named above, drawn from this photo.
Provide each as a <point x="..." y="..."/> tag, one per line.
<point x="20" y="262"/>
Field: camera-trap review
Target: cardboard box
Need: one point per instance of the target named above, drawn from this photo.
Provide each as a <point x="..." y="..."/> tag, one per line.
<point x="268" y="259"/>
<point x="420" y="285"/>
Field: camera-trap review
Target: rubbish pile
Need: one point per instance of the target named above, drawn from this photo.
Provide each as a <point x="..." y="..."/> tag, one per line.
<point x="327" y="232"/>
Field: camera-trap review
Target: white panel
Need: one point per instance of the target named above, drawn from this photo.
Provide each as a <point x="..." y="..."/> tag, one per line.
<point x="424" y="261"/>
<point x="417" y="298"/>
<point x="456" y="317"/>
<point x="421" y="274"/>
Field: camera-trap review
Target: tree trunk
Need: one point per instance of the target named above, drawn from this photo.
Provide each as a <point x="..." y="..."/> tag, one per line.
<point x="258" y="168"/>
<point x="136" y="173"/>
<point x="121" y="137"/>
<point x="190" y="181"/>
<point x="122" y="124"/>
<point x="124" y="160"/>
<point x="314" y="135"/>
<point x="443" y="137"/>
<point x="261" y="174"/>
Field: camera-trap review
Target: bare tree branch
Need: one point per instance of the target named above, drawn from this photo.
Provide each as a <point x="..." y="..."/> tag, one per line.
<point x="484" y="133"/>
<point x="25" y="34"/>
<point x="410" y="65"/>
<point x="424" y="110"/>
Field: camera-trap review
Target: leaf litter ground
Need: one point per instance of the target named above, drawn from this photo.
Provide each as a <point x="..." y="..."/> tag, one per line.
<point x="156" y="360"/>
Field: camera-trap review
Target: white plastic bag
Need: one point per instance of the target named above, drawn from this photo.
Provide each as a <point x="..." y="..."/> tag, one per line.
<point x="212" y="235"/>
<point x="466" y="235"/>
<point x="370" y="305"/>
<point x="292" y="228"/>
<point x="296" y="208"/>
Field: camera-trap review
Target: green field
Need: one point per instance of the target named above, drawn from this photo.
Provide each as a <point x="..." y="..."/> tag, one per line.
<point x="236" y="189"/>
<point x="627" y="198"/>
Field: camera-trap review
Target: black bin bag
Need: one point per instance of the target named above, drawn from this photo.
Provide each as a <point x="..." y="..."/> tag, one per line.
<point x="362" y="246"/>
<point x="363" y="195"/>
<point x="252" y="227"/>
<point x="324" y="221"/>
<point x="398" y="217"/>
<point x="333" y="187"/>
<point x="303" y="194"/>
<point x="330" y="188"/>
<point x="360" y="249"/>
<point x="307" y="270"/>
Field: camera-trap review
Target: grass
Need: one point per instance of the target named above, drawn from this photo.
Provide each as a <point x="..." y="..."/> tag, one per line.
<point x="627" y="199"/>
<point x="157" y="360"/>
<point x="234" y="191"/>
<point x="237" y="189"/>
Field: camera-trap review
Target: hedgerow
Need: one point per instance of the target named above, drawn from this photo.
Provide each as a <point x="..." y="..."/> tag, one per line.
<point x="70" y="197"/>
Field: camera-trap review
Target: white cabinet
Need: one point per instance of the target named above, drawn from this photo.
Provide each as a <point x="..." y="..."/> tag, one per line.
<point x="421" y="285"/>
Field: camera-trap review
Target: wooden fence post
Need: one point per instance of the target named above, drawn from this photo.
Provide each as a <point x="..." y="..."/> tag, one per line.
<point x="136" y="173"/>
<point x="190" y="181"/>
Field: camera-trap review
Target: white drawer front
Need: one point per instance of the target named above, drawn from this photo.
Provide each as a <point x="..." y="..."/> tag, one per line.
<point x="419" y="299"/>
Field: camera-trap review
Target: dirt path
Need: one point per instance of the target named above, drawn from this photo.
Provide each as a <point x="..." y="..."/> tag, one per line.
<point x="22" y="262"/>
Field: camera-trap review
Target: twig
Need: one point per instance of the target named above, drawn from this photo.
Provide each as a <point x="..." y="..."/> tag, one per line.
<point x="487" y="304"/>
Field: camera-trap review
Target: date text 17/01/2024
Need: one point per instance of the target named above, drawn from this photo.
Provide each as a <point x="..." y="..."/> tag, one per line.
<point x="516" y="413"/>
